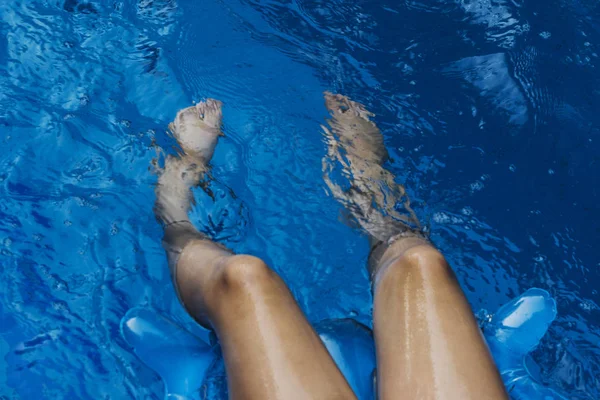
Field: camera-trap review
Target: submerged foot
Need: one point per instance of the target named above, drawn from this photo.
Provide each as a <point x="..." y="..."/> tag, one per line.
<point x="356" y="145"/>
<point x="197" y="130"/>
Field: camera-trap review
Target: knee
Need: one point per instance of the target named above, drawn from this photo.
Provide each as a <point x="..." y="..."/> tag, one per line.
<point x="419" y="258"/>
<point x="422" y="260"/>
<point x="244" y="273"/>
<point x="424" y="256"/>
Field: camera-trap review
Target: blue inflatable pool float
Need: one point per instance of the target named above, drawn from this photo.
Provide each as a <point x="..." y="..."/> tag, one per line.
<point x="183" y="360"/>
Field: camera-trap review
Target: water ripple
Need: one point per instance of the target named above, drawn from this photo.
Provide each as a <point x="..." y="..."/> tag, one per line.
<point x="488" y="109"/>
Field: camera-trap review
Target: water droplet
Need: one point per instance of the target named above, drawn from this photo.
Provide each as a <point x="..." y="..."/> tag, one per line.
<point x="545" y="35"/>
<point x="512" y="167"/>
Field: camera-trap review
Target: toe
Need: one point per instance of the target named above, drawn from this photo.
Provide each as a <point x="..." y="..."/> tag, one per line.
<point x="341" y="105"/>
<point x="209" y="112"/>
<point x="336" y="102"/>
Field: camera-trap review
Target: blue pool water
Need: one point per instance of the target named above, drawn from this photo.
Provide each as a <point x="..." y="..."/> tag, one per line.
<point x="488" y="108"/>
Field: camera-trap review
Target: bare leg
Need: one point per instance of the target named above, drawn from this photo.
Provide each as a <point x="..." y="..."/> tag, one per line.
<point x="270" y="349"/>
<point x="429" y="345"/>
<point x="428" y="342"/>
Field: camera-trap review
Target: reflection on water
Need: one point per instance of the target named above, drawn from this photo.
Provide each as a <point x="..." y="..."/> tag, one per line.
<point x="492" y="80"/>
<point x="499" y="18"/>
<point x="488" y="110"/>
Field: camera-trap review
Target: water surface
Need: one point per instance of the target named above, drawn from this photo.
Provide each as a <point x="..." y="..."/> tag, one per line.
<point x="488" y="108"/>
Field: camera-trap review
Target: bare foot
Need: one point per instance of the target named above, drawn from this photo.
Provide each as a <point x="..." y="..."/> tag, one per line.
<point x="197" y="130"/>
<point x="356" y="144"/>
